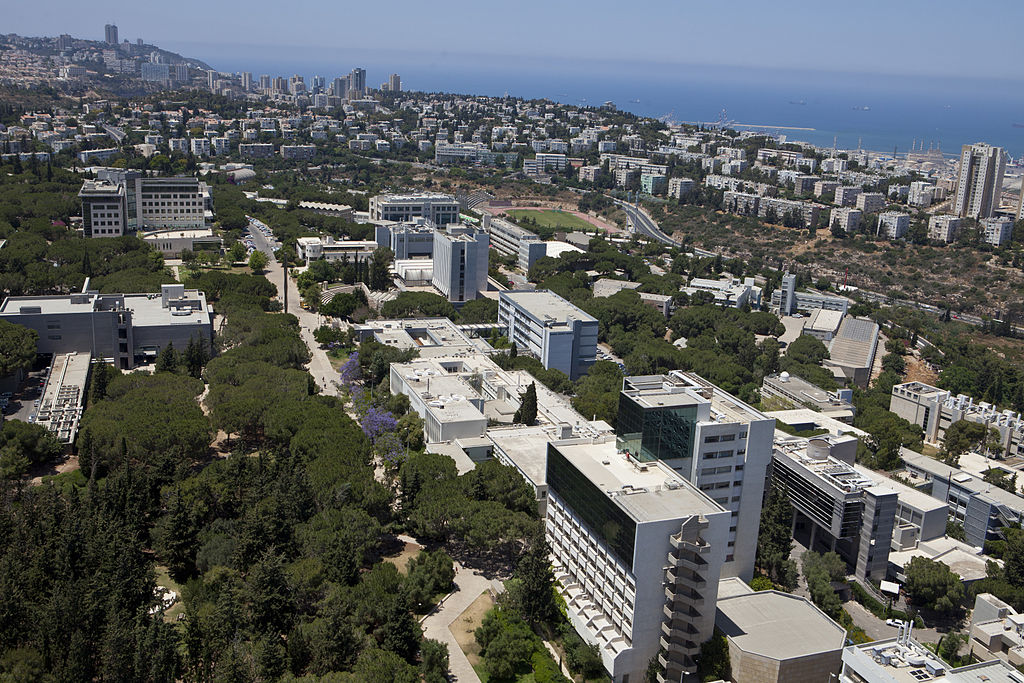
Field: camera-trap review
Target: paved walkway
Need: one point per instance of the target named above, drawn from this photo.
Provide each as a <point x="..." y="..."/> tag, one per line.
<point x="469" y="585"/>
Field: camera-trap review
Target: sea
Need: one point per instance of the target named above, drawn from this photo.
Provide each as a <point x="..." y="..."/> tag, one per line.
<point x="875" y="112"/>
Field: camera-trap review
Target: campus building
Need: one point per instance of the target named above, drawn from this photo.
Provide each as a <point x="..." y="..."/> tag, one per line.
<point x="123" y="329"/>
<point x="439" y="209"/>
<point x="712" y="439"/>
<point x="788" y="301"/>
<point x="119" y="202"/>
<point x="904" y="660"/>
<point x="460" y="262"/>
<point x="506" y="236"/>
<point x="544" y="324"/>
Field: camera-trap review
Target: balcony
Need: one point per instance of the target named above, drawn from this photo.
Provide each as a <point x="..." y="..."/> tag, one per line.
<point x="691" y="562"/>
<point x="680" y="610"/>
<point x="675" y="575"/>
<point x="685" y="597"/>
<point x="682" y="631"/>
<point x="697" y="547"/>
<point x="679" y="650"/>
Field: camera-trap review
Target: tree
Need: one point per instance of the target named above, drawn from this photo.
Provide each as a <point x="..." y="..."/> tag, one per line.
<point x="774" y="540"/>
<point x="713" y="661"/>
<point x="434" y="661"/>
<point x="167" y="361"/>
<point x="933" y="585"/>
<point x="17" y="348"/>
<point x="527" y="412"/>
<point x="257" y="261"/>
<point x="236" y="252"/>
<point x="379" y="275"/>
<point x="963" y="436"/>
<point x="535" y="599"/>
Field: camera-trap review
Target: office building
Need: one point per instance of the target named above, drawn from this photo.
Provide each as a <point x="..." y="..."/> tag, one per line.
<point x="983" y="509"/>
<point x="870" y="202"/>
<point x="852" y="351"/>
<point x="979" y="181"/>
<point x="904" y="660"/>
<point x="120" y="202"/>
<point x="172" y="242"/>
<point x="298" y="151"/>
<point x="395" y="83"/>
<point x="637" y="551"/>
<point x="506" y="236"/>
<point x="123" y="329"/>
<point x="547" y="326"/>
<point x="712" y="439"/>
<point x="788" y="301"/>
<point x="943" y="228"/>
<point x="439" y="209"/>
<point x="777" y="637"/>
<point x="799" y="392"/>
<point x="934" y="410"/>
<point x="893" y="224"/>
<point x="996" y="231"/>
<point x="110" y="34"/>
<point x="460" y="262"/>
<point x="407" y="240"/>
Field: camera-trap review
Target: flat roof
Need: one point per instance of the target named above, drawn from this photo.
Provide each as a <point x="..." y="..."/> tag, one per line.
<point x="647" y="492"/>
<point x="544" y="304"/>
<point x="963" y="479"/>
<point x="680" y="388"/>
<point x="801" y="416"/>
<point x="854" y="342"/>
<point x="777" y="625"/>
<point x="825" y="320"/>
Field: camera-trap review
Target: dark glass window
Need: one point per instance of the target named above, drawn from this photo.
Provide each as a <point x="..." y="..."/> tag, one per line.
<point x="592" y="506"/>
<point x="662" y="433"/>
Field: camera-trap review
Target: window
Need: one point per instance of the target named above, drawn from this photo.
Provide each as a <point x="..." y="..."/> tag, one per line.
<point x="711" y="439"/>
<point x="728" y="437"/>
<point x="54" y="337"/>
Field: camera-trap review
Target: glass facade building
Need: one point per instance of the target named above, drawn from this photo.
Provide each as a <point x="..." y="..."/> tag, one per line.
<point x="655" y="433"/>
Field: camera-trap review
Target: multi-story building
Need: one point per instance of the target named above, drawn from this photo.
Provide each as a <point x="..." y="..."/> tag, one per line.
<point x="776" y="210"/>
<point x="727" y="292"/>
<point x="298" y="151"/>
<point x="712" y="439"/>
<point x="103" y="208"/>
<point x="110" y="34"/>
<point x="979" y="181"/>
<point x="124" y="329"/>
<point x="680" y="187"/>
<point x="870" y="202"/>
<point x="799" y="392"/>
<point x="637" y="551"/>
<point x="846" y="218"/>
<point x="934" y="410"/>
<point x="852" y="351"/>
<point x="506" y="236"/>
<point x="221" y="146"/>
<point x="439" y="209"/>
<point x="788" y="301"/>
<point x="996" y="231"/>
<point x="741" y="203"/>
<point x="846" y="195"/>
<point x="943" y="228"/>
<point x="904" y="660"/>
<point x="199" y="147"/>
<point x="652" y="183"/>
<point x="921" y="194"/>
<point x="460" y="262"/>
<point x="407" y="240"/>
<point x="544" y="324"/>
<point x="997" y="630"/>
<point x="142" y="202"/>
<point x="256" y="150"/>
<point x="589" y="174"/>
<point x="893" y="224"/>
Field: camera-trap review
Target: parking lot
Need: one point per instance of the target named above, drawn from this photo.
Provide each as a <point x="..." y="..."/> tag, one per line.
<point x="23" y="404"/>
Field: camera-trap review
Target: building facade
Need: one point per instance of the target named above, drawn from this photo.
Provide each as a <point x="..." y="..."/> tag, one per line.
<point x="440" y="209"/>
<point x="544" y="324"/>
<point x="460" y="262"/>
<point x="979" y="181"/>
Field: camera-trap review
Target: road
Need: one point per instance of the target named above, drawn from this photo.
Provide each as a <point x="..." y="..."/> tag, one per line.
<point x="647" y="227"/>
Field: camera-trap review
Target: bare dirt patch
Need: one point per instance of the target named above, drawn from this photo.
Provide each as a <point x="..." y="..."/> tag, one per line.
<point x="401" y="558"/>
<point x="464" y="627"/>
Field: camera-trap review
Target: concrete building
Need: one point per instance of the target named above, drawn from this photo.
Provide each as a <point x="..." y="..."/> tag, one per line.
<point x="934" y="410"/>
<point x="110" y="34"/>
<point x="727" y="292"/>
<point x="680" y="187"/>
<point x="413" y="240"/>
<point x="199" y="147"/>
<point x="788" y="301"/>
<point x="799" y="392"/>
<point x="120" y="202"/>
<point x="846" y="195"/>
<point x="439" y="209"/>
<point x="63" y="396"/>
<point x="712" y="439"/>
<point x="256" y="150"/>
<point x="996" y="231"/>
<point x="996" y="631"/>
<point x="979" y="181"/>
<point x="893" y="224"/>
<point x="870" y="202"/>
<point x="298" y="151"/>
<point x="983" y="509"/>
<point x="327" y="248"/>
<point x="532" y="250"/>
<point x="637" y="551"/>
<point x="852" y="351"/>
<point x="823" y="324"/>
<point x="506" y="236"/>
<point x="847" y="219"/>
<point x="432" y="337"/>
<point x="123" y="329"/>
<point x="460" y="262"/>
<point x="904" y="660"/>
<point x="651" y="183"/>
<point x="547" y="326"/>
<point x="943" y="228"/>
<point x="172" y="242"/>
<point x="777" y="637"/>
<point x="103" y="209"/>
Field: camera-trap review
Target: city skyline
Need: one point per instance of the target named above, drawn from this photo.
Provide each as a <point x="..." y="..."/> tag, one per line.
<point x="874" y="46"/>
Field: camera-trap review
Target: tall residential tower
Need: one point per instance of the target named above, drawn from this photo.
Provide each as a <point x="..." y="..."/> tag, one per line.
<point x="979" y="181"/>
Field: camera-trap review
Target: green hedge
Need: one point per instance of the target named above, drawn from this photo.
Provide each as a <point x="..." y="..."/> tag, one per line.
<point x="877" y="608"/>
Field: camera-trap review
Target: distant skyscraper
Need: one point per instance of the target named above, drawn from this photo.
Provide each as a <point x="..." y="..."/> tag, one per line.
<point x="357" y="83"/>
<point x="979" y="181"/>
<point x="110" y="33"/>
<point x="395" y="83"/>
<point x="280" y="84"/>
<point x="247" y="80"/>
<point x="211" y="79"/>
<point x="318" y="84"/>
<point x="339" y="88"/>
<point x="64" y="42"/>
<point x="265" y="82"/>
<point x="296" y="85"/>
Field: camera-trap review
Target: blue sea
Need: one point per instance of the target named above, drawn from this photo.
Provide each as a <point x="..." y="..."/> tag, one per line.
<point x="873" y="112"/>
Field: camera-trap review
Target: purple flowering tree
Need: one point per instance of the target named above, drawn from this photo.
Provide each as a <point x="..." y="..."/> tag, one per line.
<point x="350" y="371"/>
<point x="377" y="422"/>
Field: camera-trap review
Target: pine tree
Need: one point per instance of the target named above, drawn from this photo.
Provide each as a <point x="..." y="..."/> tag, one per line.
<point x="167" y="361"/>
<point x="527" y="413"/>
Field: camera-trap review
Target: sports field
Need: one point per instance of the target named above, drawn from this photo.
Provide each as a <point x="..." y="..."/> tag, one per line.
<point x="551" y="218"/>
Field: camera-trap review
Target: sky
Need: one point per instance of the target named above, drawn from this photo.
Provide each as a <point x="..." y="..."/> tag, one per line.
<point x="938" y="38"/>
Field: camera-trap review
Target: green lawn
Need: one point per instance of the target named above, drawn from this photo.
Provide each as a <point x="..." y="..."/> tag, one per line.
<point x="552" y="219"/>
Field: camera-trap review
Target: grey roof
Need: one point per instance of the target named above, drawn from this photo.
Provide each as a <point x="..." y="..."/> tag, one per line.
<point x="854" y="343"/>
<point x="979" y="487"/>
<point x="777" y="625"/>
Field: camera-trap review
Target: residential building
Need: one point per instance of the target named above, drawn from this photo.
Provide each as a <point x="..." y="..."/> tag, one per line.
<point x="712" y="439"/>
<point x="788" y="301"/>
<point x="777" y="637"/>
<point x="979" y="181"/>
<point x="547" y="326"/>
<point x="852" y="351"/>
<point x="460" y="262"/>
<point x="996" y="231"/>
<point x="680" y="187"/>
<point x="741" y="203"/>
<point x="904" y="660"/>
<point x="637" y="551"/>
<point x="589" y="174"/>
<point x="199" y="147"/>
<point x="893" y="224"/>
<point x="298" y="151"/>
<point x="652" y="183"/>
<point x="846" y="195"/>
<point x="982" y="509"/>
<point x="847" y="219"/>
<point x="870" y="202"/>
<point x="787" y="212"/>
<point x="439" y="209"/>
<point x="124" y="329"/>
<point x="943" y="228"/>
<point x="624" y="177"/>
<point x="110" y="34"/>
<point x="934" y="410"/>
<point x="823" y="187"/>
<point x="921" y="194"/>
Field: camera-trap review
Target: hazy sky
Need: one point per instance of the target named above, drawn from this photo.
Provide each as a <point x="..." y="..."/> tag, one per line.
<point x="928" y="37"/>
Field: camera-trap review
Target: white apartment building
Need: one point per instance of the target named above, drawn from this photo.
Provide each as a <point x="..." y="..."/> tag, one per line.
<point x="870" y="202"/>
<point x="710" y="438"/>
<point x="199" y="147"/>
<point x="544" y="324"/>
<point x="846" y="218"/>
<point x="979" y="181"/>
<point x="460" y="262"/>
<point x="996" y="231"/>
<point x="846" y="195"/>
<point x="637" y="551"/>
<point x="943" y="228"/>
<point x="921" y="194"/>
<point x="221" y="146"/>
<point x="439" y="209"/>
<point x="680" y="187"/>
<point x="893" y="224"/>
